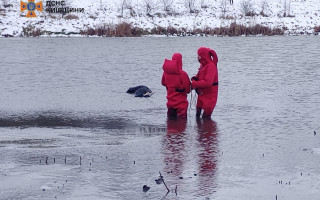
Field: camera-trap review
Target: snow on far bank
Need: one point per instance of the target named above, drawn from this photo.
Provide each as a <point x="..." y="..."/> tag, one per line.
<point x="304" y="15"/>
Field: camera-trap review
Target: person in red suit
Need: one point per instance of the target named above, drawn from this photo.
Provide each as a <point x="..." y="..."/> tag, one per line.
<point x="177" y="84"/>
<point x="206" y="82"/>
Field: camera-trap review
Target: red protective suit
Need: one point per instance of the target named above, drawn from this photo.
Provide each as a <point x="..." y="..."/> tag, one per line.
<point x="178" y="86"/>
<point x="206" y="81"/>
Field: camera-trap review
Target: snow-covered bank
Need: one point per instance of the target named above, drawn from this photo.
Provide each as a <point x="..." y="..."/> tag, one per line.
<point x="302" y="16"/>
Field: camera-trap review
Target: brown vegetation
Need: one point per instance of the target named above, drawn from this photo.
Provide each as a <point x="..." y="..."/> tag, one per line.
<point x="126" y="30"/>
<point x="69" y="17"/>
<point x="31" y="31"/>
<point x="109" y="30"/>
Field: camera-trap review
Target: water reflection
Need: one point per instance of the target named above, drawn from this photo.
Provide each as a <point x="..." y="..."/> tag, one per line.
<point x="174" y="145"/>
<point x="207" y="155"/>
<point x="178" y="146"/>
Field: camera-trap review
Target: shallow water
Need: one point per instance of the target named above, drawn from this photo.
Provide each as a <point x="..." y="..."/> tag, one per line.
<point x="64" y="98"/>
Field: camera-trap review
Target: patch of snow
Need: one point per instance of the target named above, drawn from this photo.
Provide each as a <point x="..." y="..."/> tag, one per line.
<point x="304" y="16"/>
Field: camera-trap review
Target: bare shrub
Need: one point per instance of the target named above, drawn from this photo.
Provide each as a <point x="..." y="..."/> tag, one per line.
<point x="126" y="30"/>
<point x="190" y="4"/>
<point x="228" y="17"/>
<point x="166" y="4"/>
<point x="172" y="30"/>
<point x="238" y="29"/>
<point x="204" y="4"/>
<point x="159" y="31"/>
<point x="197" y="31"/>
<point x="149" y="6"/>
<point x="123" y="29"/>
<point x="264" y="5"/>
<point x="286" y="8"/>
<point x="70" y="17"/>
<point x="317" y="29"/>
<point x="93" y="17"/>
<point x="6" y="4"/>
<point x="124" y="4"/>
<point x="223" y="7"/>
<point x="135" y="31"/>
<point x="52" y="16"/>
<point x="247" y="8"/>
<point x="31" y="31"/>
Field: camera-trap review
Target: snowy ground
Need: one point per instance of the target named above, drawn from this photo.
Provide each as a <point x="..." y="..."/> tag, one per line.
<point x="304" y="15"/>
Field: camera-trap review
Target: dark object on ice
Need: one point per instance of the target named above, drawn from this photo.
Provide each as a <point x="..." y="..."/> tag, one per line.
<point x="158" y="181"/>
<point x="145" y="188"/>
<point x="180" y="177"/>
<point x="140" y="91"/>
<point x="314" y="133"/>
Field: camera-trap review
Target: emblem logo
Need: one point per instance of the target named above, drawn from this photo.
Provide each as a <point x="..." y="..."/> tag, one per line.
<point x="31" y="6"/>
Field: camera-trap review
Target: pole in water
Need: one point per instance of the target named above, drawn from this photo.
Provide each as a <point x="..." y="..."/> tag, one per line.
<point x="164" y="183"/>
<point x="54" y="160"/>
<point x="276" y="197"/>
<point x="46" y="160"/>
<point x="65" y="160"/>
<point x="176" y="190"/>
<point x="80" y="160"/>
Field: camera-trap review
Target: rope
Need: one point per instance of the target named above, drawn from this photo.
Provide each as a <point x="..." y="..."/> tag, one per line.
<point x="193" y="102"/>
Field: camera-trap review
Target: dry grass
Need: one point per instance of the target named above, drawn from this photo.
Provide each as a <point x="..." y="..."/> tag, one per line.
<point x="317" y="29"/>
<point x="127" y="30"/>
<point x="237" y="29"/>
<point x="31" y="31"/>
<point x="159" y="31"/>
<point x="120" y="30"/>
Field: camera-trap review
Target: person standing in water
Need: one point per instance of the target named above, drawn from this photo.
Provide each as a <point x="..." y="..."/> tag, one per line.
<point x="206" y="82"/>
<point x="177" y="84"/>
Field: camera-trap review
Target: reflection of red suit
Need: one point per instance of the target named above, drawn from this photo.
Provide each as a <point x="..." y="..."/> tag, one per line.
<point x="207" y="130"/>
<point x="206" y="81"/>
<point x="173" y="145"/>
<point x="178" y="86"/>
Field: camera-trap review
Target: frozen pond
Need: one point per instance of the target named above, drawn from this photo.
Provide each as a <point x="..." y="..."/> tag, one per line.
<point x="64" y="98"/>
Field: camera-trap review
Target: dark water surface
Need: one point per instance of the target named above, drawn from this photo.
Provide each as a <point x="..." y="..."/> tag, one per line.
<point x="64" y="98"/>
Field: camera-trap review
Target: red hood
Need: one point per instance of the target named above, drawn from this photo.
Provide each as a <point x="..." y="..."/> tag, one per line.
<point x="207" y="56"/>
<point x="173" y="66"/>
<point x="178" y="58"/>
